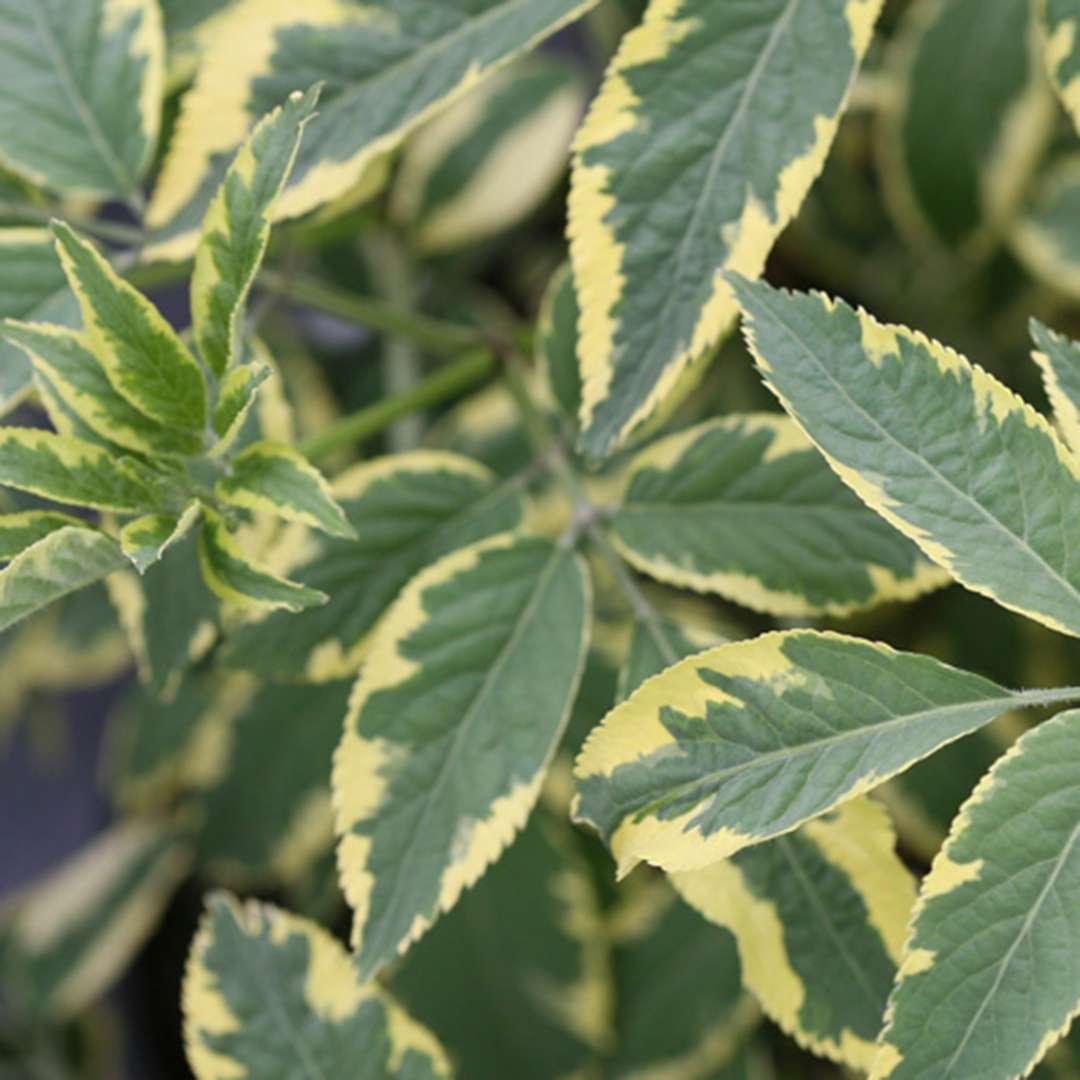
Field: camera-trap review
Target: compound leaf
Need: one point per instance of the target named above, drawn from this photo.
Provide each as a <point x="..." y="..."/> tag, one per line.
<point x="452" y="723"/>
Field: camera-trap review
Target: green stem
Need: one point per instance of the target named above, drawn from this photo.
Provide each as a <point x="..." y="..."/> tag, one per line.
<point x="1058" y="695"/>
<point x="462" y="374"/>
<point x="442" y="338"/>
<point x="586" y="515"/>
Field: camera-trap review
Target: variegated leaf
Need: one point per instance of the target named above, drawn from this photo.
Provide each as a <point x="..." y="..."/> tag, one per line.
<point x="236" y="230"/>
<point x="748" y="741"/>
<point x="19" y="531"/>
<point x="66" y="559"/>
<point x="70" y="471"/>
<point x="820" y="917"/>
<point x="452" y="723"/>
<point x="394" y="63"/>
<point x="460" y="179"/>
<point x="557" y="343"/>
<point x="651" y="231"/>
<point x="1059" y="359"/>
<point x="85" y="84"/>
<point x="745" y="507"/>
<point x="407" y="510"/>
<point x="32" y="286"/>
<point x="142" y="356"/>
<point x="276" y="479"/>
<point x="1060" y="23"/>
<point x="236" y="396"/>
<point x="74" y="933"/>
<point x="1046" y="236"/>
<point x="956" y="461"/>
<point x="987" y="984"/>
<point x="75" y="375"/>
<point x="656" y="644"/>
<point x="243" y="583"/>
<point x="270" y="995"/>
<point x="952" y="171"/>
<point x="516" y="980"/>
<point x="268" y="815"/>
<point x="146" y="539"/>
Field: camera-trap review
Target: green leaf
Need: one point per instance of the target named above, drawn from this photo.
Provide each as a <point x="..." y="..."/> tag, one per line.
<point x="952" y="172"/>
<point x="1059" y="359"/>
<point x="70" y="471"/>
<point x="75" y="375"/>
<point x="557" y="343"/>
<point x="146" y="539"/>
<point x="67" y="559"/>
<point x="820" y="917"/>
<point x="656" y="644"/>
<point x="516" y="980"/>
<point x="1046" y="238"/>
<point x="236" y="396"/>
<point x="84" y="90"/>
<point x="19" y="531"/>
<point x="278" y="480"/>
<point x="460" y="179"/>
<point x="32" y="286"/>
<point x="453" y="721"/>
<point x="650" y="231"/>
<point x="1060" y="21"/>
<point x="240" y="582"/>
<point x="169" y="615"/>
<point x="395" y="64"/>
<point x="987" y="984"/>
<point x="164" y="749"/>
<point x="956" y="461"/>
<point x="745" y="507"/>
<point x="270" y="995"/>
<point x="75" y="932"/>
<point x="750" y="740"/>
<point x="680" y="1005"/>
<point x="408" y="510"/>
<point x="236" y="230"/>
<point x="143" y="357"/>
<point x="268" y="816"/>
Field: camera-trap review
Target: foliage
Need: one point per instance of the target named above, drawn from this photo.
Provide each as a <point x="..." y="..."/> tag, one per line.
<point x="558" y="704"/>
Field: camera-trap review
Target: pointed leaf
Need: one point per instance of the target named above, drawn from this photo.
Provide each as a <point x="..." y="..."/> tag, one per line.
<point x="65" y="560"/>
<point x="236" y="396"/>
<point x="557" y="343"/>
<point x="745" y="507"/>
<point x="988" y="984"/>
<point x="956" y="461"/>
<point x="146" y="539"/>
<point x="85" y="86"/>
<point x="278" y="480"/>
<point x="408" y="510"/>
<point x="1059" y="359"/>
<point x="450" y="729"/>
<point x="651" y="228"/>
<point x="20" y="531"/>
<point x="270" y="995"/>
<point x="32" y="287"/>
<point x="141" y="354"/>
<point x="820" y="917"/>
<point x="237" y="229"/>
<point x="75" y="932"/>
<point x="238" y="581"/>
<point x="748" y="741"/>
<point x="69" y="471"/>
<point x="76" y="376"/>
<point x="1060" y="22"/>
<point x="395" y="65"/>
